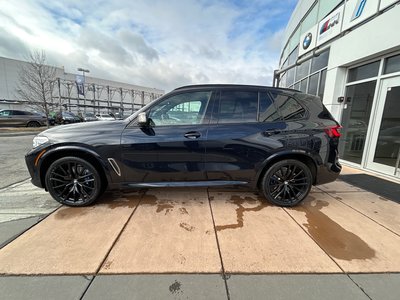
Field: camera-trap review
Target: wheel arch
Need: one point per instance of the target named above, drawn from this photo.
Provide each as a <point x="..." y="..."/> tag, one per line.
<point x="304" y="157"/>
<point x="91" y="156"/>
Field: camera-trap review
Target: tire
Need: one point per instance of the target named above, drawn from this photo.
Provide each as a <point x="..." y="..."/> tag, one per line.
<point x="73" y="181"/>
<point x="33" y="124"/>
<point x="287" y="182"/>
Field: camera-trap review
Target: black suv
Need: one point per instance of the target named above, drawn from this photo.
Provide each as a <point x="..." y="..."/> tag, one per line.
<point x="280" y="141"/>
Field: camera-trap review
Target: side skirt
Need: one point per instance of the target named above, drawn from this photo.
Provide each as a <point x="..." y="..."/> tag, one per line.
<point x="186" y="184"/>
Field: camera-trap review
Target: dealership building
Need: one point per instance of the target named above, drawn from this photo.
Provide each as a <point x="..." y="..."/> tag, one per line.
<point x="76" y="92"/>
<point x="348" y="53"/>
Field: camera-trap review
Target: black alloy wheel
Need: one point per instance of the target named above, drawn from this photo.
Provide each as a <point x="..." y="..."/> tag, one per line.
<point x="73" y="181"/>
<point x="287" y="182"/>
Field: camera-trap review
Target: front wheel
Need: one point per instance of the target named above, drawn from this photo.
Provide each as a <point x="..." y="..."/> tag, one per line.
<point x="73" y="181"/>
<point x="287" y="182"/>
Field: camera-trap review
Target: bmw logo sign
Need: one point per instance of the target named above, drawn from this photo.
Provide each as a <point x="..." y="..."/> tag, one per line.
<point x="307" y="41"/>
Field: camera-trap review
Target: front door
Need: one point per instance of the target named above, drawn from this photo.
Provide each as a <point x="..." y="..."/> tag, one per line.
<point x="384" y="153"/>
<point x="172" y="147"/>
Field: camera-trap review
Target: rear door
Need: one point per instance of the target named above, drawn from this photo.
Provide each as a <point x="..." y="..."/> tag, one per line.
<point x="245" y="130"/>
<point x="173" y="147"/>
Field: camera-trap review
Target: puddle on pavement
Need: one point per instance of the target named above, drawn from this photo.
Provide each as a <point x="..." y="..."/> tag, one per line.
<point x="331" y="237"/>
<point x="187" y="227"/>
<point x="240" y="210"/>
<point x="72" y="212"/>
<point x="165" y="206"/>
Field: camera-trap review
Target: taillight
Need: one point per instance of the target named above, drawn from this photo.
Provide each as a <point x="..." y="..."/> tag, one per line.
<point x="333" y="131"/>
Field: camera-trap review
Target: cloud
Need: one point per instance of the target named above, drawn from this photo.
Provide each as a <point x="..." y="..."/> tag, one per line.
<point x="162" y="44"/>
<point x="137" y="44"/>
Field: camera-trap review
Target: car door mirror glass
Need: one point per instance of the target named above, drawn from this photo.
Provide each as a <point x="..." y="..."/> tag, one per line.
<point x="142" y="119"/>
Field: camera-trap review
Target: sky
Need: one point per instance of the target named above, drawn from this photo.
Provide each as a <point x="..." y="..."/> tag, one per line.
<point x="155" y="43"/>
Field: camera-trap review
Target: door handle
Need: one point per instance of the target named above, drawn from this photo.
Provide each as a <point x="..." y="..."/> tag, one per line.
<point x="272" y="132"/>
<point x="192" y="135"/>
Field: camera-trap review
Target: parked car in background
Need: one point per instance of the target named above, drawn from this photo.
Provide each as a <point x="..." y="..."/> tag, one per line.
<point x="105" y="117"/>
<point x="66" y="117"/>
<point x="88" y="117"/>
<point x="51" y="119"/>
<point x="280" y="141"/>
<point x="11" y="117"/>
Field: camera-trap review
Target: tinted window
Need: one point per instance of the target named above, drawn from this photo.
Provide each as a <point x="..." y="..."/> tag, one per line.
<point x="364" y="72"/>
<point x="181" y="109"/>
<point x="19" y="113"/>
<point x="288" y="107"/>
<point x="238" y="106"/>
<point x="319" y="62"/>
<point x="268" y="111"/>
<point x="392" y="64"/>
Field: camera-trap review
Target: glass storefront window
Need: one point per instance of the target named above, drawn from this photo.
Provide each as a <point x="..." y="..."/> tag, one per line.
<point x="355" y="119"/>
<point x="322" y="84"/>
<point x="364" y="72"/>
<point x="303" y="85"/>
<point x="319" y="62"/>
<point x="310" y="20"/>
<point x="296" y="86"/>
<point x="302" y="70"/>
<point x="290" y="76"/>
<point x="294" y="40"/>
<point x="392" y="64"/>
<point x="326" y="6"/>
<point x="313" y="84"/>
<point x="282" y="80"/>
<point x="293" y="56"/>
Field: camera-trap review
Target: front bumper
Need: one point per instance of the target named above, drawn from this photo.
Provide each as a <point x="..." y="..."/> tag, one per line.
<point x="30" y="159"/>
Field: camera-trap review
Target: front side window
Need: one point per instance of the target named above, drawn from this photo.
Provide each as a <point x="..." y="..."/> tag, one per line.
<point x="238" y="107"/>
<point x="182" y="109"/>
<point x="288" y="107"/>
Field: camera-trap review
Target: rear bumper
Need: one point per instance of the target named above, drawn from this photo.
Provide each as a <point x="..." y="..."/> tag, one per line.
<point x="328" y="173"/>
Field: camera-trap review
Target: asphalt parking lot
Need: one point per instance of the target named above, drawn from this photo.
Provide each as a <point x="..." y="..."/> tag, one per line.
<point x="342" y="242"/>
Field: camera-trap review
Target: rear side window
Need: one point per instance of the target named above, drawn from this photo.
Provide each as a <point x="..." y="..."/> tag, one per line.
<point x="238" y="107"/>
<point x="18" y="113"/>
<point x="268" y="112"/>
<point x="288" y="107"/>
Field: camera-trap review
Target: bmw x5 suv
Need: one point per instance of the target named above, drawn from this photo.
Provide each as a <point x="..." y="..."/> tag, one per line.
<point x="279" y="141"/>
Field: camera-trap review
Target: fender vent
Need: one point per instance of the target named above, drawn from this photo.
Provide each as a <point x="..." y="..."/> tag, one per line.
<point x="115" y="166"/>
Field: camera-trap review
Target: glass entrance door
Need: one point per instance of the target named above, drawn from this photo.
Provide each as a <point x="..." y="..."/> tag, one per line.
<point x="384" y="152"/>
<point x="355" y="120"/>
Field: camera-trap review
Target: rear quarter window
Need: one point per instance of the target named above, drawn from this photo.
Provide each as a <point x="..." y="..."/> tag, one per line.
<point x="268" y="112"/>
<point x="288" y="107"/>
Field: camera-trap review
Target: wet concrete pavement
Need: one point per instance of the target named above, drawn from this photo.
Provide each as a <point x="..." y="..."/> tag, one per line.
<point x="339" y="242"/>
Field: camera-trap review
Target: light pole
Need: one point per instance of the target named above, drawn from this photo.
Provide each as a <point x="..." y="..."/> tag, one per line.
<point x="84" y="94"/>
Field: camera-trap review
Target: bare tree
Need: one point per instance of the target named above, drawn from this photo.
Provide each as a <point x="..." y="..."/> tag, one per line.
<point x="35" y="82"/>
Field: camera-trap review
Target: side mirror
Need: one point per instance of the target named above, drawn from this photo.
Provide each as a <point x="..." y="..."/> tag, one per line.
<point x="142" y="119"/>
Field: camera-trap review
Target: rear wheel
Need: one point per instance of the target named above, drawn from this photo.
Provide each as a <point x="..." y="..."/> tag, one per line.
<point x="73" y="181"/>
<point x="33" y="124"/>
<point x="287" y="182"/>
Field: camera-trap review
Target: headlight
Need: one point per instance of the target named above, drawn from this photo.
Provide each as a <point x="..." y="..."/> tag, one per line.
<point x="39" y="140"/>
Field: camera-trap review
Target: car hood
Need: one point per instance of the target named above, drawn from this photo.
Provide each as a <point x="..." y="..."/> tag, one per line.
<point x="92" y="133"/>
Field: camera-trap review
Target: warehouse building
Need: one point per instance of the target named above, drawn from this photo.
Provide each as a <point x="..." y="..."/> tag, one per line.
<point x="77" y="93"/>
<point x="348" y="53"/>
